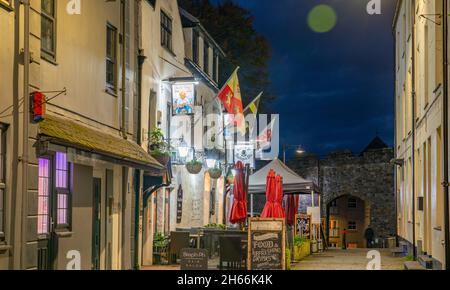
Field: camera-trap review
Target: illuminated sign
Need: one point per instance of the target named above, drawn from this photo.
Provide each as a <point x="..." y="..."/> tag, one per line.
<point x="183" y="98"/>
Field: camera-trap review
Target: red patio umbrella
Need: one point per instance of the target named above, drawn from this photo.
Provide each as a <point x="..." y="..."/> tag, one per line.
<point x="239" y="209"/>
<point x="274" y="196"/>
<point x="279" y="210"/>
<point x="291" y="208"/>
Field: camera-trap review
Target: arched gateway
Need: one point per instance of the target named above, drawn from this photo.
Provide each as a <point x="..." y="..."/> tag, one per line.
<point x="345" y="180"/>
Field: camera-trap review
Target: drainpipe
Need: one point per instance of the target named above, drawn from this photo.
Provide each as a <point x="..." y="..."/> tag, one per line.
<point x="124" y="69"/>
<point x="395" y="136"/>
<point x="15" y="164"/>
<point x="137" y="177"/>
<point x="445" y="132"/>
<point x="26" y="101"/>
<point x="413" y="129"/>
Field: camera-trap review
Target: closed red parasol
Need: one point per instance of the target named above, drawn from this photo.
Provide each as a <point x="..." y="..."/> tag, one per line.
<point x="239" y="209"/>
<point x="274" y="196"/>
<point x="291" y="208"/>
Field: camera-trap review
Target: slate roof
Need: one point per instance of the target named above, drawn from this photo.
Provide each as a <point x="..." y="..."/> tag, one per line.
<point x="376" y="144"/>
<point x="72" y="133"/>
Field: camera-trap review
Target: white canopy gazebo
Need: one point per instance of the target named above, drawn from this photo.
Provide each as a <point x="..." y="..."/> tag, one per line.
<point x="292" y="182"/>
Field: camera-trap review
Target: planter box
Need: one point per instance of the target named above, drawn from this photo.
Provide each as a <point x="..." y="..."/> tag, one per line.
<point x="303" y="251"/>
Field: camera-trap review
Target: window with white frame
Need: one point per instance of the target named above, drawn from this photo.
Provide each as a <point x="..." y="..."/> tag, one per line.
<point x="48" y="29"/>
<point x="2" y="180"/>
<point x="62" y="190"/>
<point x="215" y="66"/>
<point x="206" y="57"/>
<point x="166" y="31"/>
<point x="111" y="57"/>
<point x="195" y="46"/>
<point x="44" y="189"/>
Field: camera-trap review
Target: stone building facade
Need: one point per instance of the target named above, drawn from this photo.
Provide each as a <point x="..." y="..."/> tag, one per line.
<point x="368" y="176"/>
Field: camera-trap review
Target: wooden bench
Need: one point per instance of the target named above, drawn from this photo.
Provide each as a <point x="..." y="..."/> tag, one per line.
<point x="413" y="266"/>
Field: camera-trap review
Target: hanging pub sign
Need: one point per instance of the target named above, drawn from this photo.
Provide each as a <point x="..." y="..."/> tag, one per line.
<point x="266" y="244"/>
<point x="37" y="106"/>
<point x="302" y="226"/>
<point x="183" y="98"/>
<point x="179" y="204"/>
<point x="244" y="153"/>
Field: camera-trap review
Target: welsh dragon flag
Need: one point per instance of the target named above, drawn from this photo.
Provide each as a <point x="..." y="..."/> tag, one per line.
<point x="230" y="95"/>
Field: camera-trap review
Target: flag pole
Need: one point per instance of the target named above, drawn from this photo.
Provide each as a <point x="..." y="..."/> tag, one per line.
<point x="235" y="71"/>
<point x="257" y="98"/>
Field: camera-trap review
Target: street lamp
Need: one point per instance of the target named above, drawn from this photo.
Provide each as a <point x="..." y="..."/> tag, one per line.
<point x="183" y="149"/>
<point x="298" y="149"/>
<point x="211" y="163"/>
<point x="212" y="157"/>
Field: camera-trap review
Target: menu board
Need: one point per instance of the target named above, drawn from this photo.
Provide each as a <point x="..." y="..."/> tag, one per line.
<point x="266" y="244"/>
<point x="303" y="226"/>
<point x="194" y="259"/>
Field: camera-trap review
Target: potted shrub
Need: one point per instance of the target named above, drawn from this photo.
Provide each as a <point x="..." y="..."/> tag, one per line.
<point x="160" y="247"/>
<point x="194" y="166"/>
<point x="159" y="148"/>
<point x="302" y="248"/>
<point x="215" y="173"/>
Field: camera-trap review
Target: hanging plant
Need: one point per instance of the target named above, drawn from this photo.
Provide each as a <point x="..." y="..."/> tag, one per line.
<point x="194" y="167"/>
<point x="215" y="173"/>
<point x="158" y="147"/>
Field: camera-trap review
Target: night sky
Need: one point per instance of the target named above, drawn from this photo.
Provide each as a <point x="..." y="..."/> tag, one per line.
<point x="335" y="89"/>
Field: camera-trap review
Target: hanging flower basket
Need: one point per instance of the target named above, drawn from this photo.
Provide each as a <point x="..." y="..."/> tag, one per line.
<point x="215" y="173"/>
<point x="163" y="159"/>
<point x="194" y="167"/>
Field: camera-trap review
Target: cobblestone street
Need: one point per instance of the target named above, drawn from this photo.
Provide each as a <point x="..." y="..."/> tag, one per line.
<point x="355" y="259"/>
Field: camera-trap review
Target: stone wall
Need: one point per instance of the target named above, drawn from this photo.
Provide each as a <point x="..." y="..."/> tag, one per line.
<point x="369" y="176"/>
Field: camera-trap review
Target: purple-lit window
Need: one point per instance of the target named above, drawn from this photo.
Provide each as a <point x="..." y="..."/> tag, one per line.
<point x="43" y="196"/>
<point x="62" y="170"/>
<point x="62" y="189"/>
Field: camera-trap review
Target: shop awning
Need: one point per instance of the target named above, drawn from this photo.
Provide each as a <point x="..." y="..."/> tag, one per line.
<point x="292" y="182"/>
<point x="70" y="133"/>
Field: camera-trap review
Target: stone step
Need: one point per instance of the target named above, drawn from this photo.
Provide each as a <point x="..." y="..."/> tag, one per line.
<point x="413" y="266"/>
<point x="426" y="261"/>
<point x="398" y="252"/>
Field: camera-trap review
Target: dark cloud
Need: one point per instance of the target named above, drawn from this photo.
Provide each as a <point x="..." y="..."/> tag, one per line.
<point x="335" y="89"/>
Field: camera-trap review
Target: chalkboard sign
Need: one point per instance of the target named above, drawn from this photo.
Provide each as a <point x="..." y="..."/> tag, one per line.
<point x="303" y="226"/>
<point x="266" y="244"/>
<point x="194" y="259"/>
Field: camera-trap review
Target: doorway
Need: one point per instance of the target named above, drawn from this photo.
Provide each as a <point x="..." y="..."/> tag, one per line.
<point x="96" y="223"/>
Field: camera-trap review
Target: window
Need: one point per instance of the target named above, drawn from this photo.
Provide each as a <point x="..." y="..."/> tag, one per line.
<point x="195" y="40"/>
<point x="206" y="57"/>
<point x="111" y="57"/>
<point x="2" y="180"/>
<point x="166" y="31"/>
<point x="352" y="226"/>
<point x="215" y="63"/>
<point x="44" y="196"/>
<point x="48" y="29"/>
<point x="351" y="203"/>
<point x="62" y="190"/>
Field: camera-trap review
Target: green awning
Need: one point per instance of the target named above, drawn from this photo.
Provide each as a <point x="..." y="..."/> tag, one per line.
<point x="66" y="132"/>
